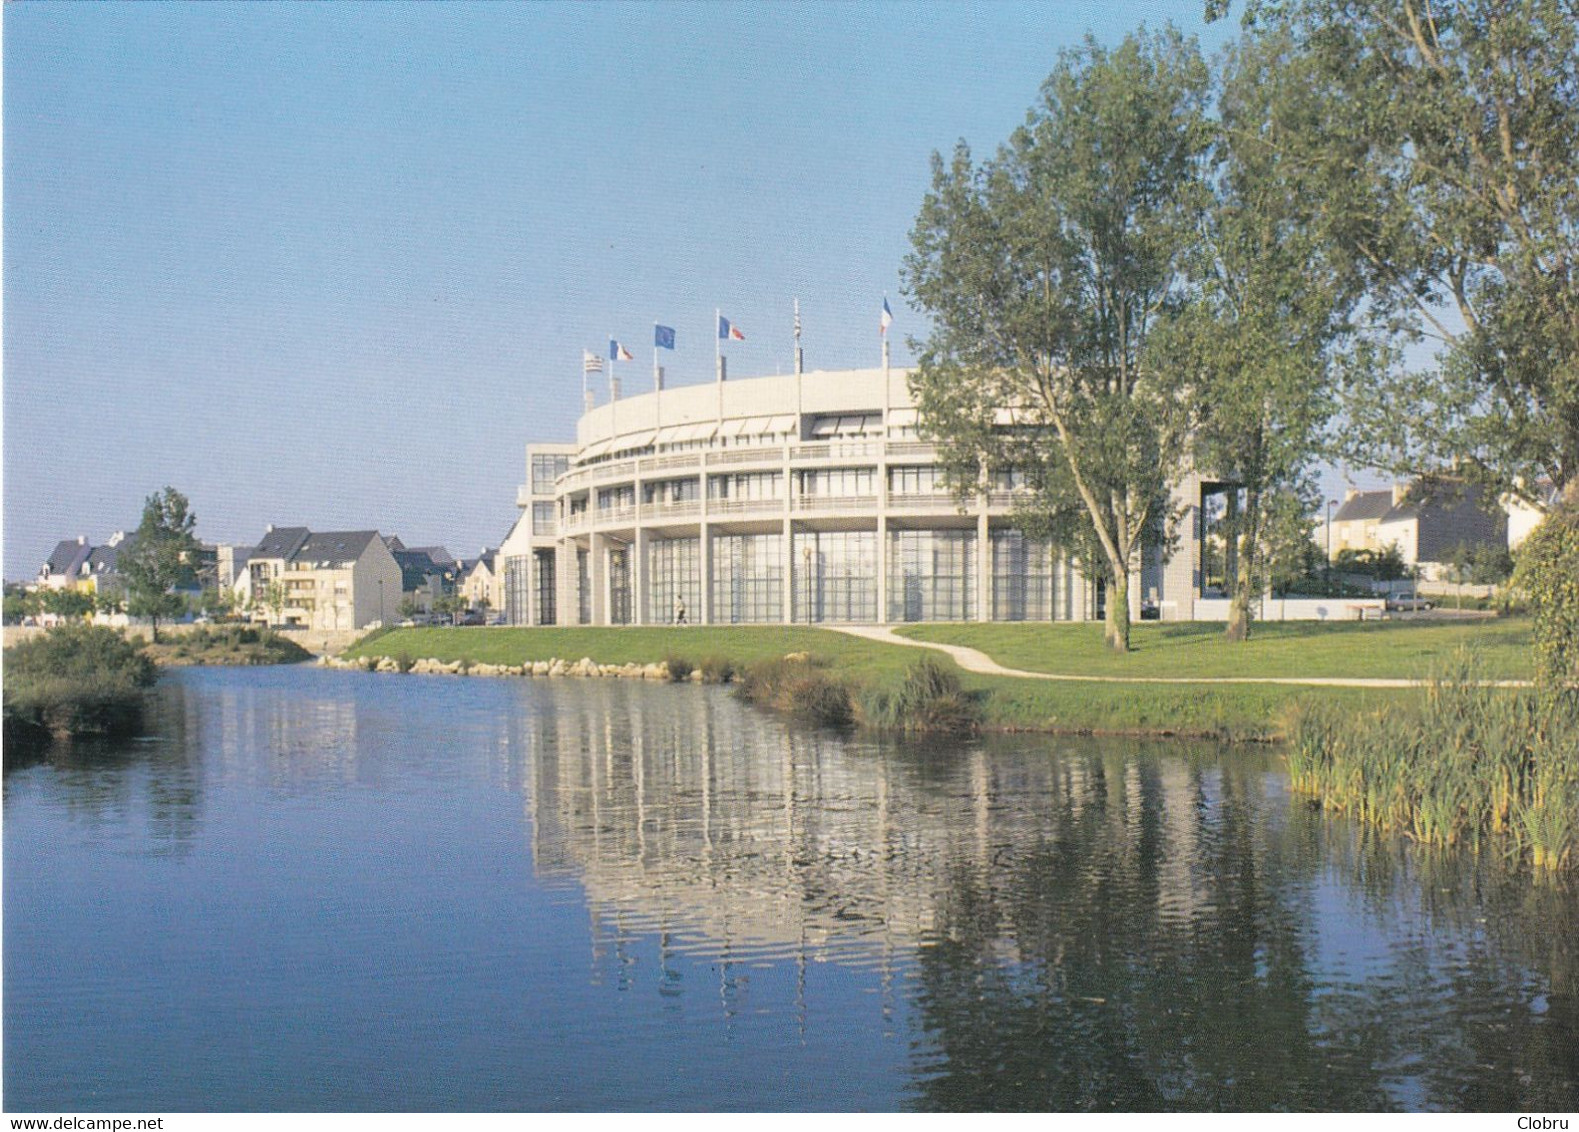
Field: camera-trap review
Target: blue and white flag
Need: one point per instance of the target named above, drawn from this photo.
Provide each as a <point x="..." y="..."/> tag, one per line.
<point x="887" y="319"/>
<point x="663" y="336"/>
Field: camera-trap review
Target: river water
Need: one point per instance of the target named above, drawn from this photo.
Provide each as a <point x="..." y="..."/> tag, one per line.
<point x="317" y="890"/>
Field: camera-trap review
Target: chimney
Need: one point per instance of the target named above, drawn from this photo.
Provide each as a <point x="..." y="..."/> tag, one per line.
<point x="1399" y="491"/>
<point x="117" y="538"/>
<point x="1350" y="493"/>
<point x="269" y="530"/>
<point x="82" y="540"/>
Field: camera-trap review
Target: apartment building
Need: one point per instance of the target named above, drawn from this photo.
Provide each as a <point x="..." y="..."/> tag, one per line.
<point x="325" y="580"/>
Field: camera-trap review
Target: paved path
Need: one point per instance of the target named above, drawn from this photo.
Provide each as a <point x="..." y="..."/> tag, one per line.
<point x="973" y="660"/>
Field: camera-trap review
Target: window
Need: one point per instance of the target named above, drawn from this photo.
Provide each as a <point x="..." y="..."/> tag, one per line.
<point x="846" y="424"/>
<point x="930" y="575"/>
<point x="545" y="470"/>
<point x="922" y="480"/>
<point x="745" y="486"/>
<point x="1022" y="578"/>
<point x="674" y="574"/>
<point x="616" y="498"/>
<point x="835" y="575"/>
<point x="583" y="589"/>
<point x="748" y="579"/>
<point x="546" y="612"/>
<point x="542" y="518"/>
<point x="663" y="492"/>
<point x="834" y="482"/>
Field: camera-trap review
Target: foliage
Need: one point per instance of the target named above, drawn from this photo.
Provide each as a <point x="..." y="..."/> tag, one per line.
<point x="1479" y="564"/>
<point x="73" y="605"/>
<point x="716" y="669"/>
<point x="1043" y="271"/>
<point x="407" y="609"/>
<point x="929" y="699"/>
<point x="1386" y="565"/>
<point x="238" y="645"/>
<point x="1548" y="571"/>
<point x="74" y="680"/>
<point x="1263" y="326"/>
<point x="1444" y="150"/>
<point x="798" y="688"/>
<point x="679" y="667"/>
<point x="1458" y="764"/>
<point x="160" y="556"/>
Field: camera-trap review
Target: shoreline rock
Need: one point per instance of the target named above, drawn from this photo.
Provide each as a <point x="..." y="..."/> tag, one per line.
<point x="585" y="668"/>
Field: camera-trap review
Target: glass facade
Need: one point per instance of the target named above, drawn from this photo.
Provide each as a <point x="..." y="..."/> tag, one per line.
<point x="545" y="470"/>
<point x="1022" y="578"/>
<point x="745" y="486"/>
<point x="542" y="518"/>
<point x="835" y="575"/>
<point x="619" y="587"/>
<point x="748" y="579"/>
<point x="931" y="575"/>
<point x="923" y="479"/>
<point x="517" y="589"/>
<point x="547" y="613"/>
<point x="835" y="482"/>
<point x="687" y="490"/>
<point x="674" y="576"/>
<point x="583" y="588"/>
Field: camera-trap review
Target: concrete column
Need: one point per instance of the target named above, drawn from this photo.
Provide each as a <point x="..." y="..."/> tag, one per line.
<point x="598" y="572"/>
<point x="566" y="600"/>
<point x="638" y="565"/>
<point x="704" y="534"/>
<point x="983" y="566"/>
<point x="882" y="561"/>
<point x="787" y="565"/>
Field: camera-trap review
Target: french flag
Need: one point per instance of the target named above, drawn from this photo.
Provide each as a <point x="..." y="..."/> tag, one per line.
<point x="887" y="319"/>
<point x="725" y="330"/>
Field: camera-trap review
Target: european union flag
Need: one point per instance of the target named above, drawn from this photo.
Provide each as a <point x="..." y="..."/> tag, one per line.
<point x="663" y="336"/>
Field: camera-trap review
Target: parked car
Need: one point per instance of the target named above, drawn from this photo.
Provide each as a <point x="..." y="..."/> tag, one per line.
<point x="1405" y="603"/>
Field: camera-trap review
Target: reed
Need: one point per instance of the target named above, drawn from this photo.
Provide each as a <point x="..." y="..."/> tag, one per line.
<point x="928" y="699"/>
<point x="1460" y="764"/>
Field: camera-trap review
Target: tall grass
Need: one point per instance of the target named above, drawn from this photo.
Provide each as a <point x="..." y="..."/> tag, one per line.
<point x="1459" y="764"/>
<point x="797" y="687"/>
<point x="74" y="680"/>
<point x="929" y="698"/>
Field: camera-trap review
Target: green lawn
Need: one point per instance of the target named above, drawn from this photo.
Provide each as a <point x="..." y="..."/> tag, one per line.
<point x="1238" y="711"/>
<point x="1404" y="649"/>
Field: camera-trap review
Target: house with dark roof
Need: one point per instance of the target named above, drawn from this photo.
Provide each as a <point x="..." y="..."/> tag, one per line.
<point x="423" y="578"/>
<point x="63" y="568"/>
<point x="322" y="580"/>
<point x="1426" y="522"/>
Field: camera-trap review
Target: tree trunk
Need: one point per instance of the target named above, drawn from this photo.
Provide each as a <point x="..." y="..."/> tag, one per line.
<point x="1116" y="625"/>
<point x="1244" y="579"/>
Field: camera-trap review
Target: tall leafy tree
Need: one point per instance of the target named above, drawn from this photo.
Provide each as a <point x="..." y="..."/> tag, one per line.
<point x="1044" y="270"/>
<point x="1265" y="330"/>
<point x="162" y="555"/>
<point x="1446" y="150"/>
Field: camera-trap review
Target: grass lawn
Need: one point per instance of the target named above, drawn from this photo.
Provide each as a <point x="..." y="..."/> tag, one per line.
<point x="1402" y="649"/>
<point x="1235" y="711"/>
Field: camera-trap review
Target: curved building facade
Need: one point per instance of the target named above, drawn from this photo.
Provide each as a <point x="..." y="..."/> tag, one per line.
<point x="805" y="498"/>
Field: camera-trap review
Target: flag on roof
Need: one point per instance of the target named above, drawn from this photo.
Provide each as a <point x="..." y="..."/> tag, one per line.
<point x="618" y="353"/>
<point x="725" y="330"/>
<point x="887" y="319"/>
<point x="590" y="362"/>
<point x="663" y="336"/>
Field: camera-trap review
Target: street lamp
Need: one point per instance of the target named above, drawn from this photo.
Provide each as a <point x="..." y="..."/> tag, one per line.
<point x="380" y="602"/>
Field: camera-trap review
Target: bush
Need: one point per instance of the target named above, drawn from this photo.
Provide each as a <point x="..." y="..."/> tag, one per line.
<point x="75" y="680"/>
<point x="1548" y="572"/>
<point x="928" y="699"/>
<point x="717" y="670"/>
<point x="404" y="661"/>
<point x="679" y="668"/>
<point x="799" y="688"/>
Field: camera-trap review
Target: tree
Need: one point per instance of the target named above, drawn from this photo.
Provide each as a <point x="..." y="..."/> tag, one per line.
<point x="408" y="608"/>
<point x="1264" y="329"/>
<point x="72" y="605"/>
<point x="1043" y="271"/>
<point x="162" y="553"/>
<point x="1445" y="149"/>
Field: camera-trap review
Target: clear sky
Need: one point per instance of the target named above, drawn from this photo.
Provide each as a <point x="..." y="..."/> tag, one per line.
<point x="333" y="266"/>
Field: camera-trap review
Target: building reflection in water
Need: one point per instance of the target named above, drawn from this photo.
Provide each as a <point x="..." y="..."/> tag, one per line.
<point x="1077" y="925"/>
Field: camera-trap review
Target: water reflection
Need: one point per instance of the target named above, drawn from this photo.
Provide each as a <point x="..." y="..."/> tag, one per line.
<point x="1086" y="925"/>
<point x="306" y="858"/>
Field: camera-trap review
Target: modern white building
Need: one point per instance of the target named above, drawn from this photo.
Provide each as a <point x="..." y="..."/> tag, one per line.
<point x="797" y="499"/>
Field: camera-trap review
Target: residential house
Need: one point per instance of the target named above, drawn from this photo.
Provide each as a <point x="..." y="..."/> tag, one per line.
<point x="1426" y="524"/>
<point x="324" y="580"/>
<point x="481" y="582"/>
<point x="63" y="569"/>
<point x="423" y="580"/>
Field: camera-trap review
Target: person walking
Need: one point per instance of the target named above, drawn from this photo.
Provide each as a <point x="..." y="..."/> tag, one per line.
<point x="679" y="611"/>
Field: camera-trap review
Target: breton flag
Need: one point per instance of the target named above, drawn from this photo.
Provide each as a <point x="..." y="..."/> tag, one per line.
<point x="887" y="319"/>
<point x="590" y="362"/>
<point x="618" y="353"/>
<point x="725" y="330"/>
<point x="662" y="337"/>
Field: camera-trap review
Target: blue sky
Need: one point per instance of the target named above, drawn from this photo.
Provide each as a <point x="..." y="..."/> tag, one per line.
<point x="334" y="266"/>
